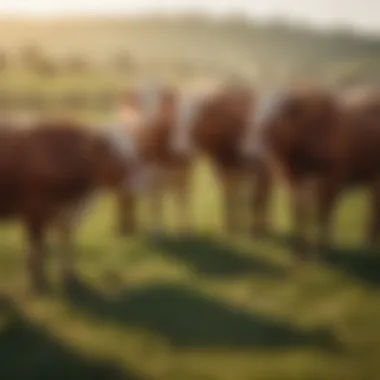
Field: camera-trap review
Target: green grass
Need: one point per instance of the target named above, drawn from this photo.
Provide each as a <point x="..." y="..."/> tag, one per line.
<point x="195" y="309"/>
<point x="209" y="308"/>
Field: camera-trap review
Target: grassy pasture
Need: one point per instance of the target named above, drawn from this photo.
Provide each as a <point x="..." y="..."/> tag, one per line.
<point x="202" y="308"/>
<point x="210" y="307"/>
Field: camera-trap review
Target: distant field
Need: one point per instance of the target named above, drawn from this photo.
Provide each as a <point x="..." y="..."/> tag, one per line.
<point x="23" y="81"/>
<point x="178" y="49"/>
<point x="204" y="308"/>
<point x="94" y="57"/>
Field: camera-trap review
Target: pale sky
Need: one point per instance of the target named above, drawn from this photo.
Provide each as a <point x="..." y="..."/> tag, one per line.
<point x="362" y="14"/>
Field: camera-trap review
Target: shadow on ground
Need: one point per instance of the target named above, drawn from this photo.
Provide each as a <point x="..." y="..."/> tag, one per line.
<point x="31" y="352"/>
<point x="189" y="320"/>
<point x="361" y="264"/>
<point x="211" y="257"/>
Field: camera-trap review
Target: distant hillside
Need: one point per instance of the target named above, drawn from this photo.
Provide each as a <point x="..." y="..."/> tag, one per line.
<point x="195" y="45"/>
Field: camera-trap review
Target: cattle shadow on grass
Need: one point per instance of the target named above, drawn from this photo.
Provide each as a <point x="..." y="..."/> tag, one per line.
<point x="211" y="257"/>
<point x="189" y="320"/>
<point x="31" y="352"/>
<point x="361" y="264"/>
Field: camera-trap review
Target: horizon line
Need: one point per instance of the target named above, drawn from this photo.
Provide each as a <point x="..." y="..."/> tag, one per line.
<point x="303" y="22"/>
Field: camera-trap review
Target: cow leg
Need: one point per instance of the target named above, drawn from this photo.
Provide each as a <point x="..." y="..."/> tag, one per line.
<point x="36" y="256"/>
<point x="300" y="207"/>
<point x="374" y="228"/>
<point x="126" y="212"/>
<point x="231" y="201"/>
<point x="182" y="198"/>
<point x="64" y="229"/>
<point x="156" y="208"/>
<point x="262" y="196"/>
<point x="326" y="199"/>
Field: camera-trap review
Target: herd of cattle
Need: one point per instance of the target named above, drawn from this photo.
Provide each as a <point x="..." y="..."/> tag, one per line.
<point x="317" y="141"/>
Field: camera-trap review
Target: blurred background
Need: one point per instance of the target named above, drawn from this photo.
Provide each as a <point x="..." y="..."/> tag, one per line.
<point x="214" y="308"/>
<point x="79" y="54"/>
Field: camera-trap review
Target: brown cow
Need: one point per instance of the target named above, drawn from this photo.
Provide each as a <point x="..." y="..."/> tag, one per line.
<point x="214" y="123"/>
<point x="151" y="118"/>
<point x="321" y="146"/>
<point x="47" y="173"/>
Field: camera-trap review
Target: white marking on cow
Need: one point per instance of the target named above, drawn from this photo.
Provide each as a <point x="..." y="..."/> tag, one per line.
<point x="134" y="117"/>
<point x="122" y="142"/>
<point x="268" y="106"/>
<point x="253" y="144"/>
<point x="354" y="97"/>
<point x="150" y="100"/>
<point x="188" y="111"/>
